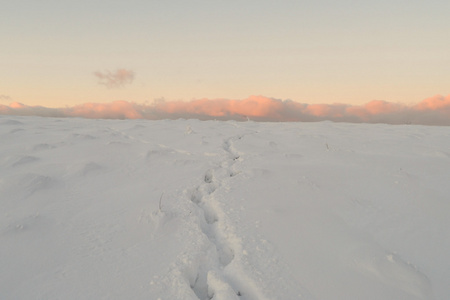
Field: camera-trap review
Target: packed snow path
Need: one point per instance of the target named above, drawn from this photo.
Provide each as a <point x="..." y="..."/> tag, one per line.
<point x="195" y="210"/>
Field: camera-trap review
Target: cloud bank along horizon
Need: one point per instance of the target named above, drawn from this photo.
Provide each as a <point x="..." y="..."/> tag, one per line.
<point x="431" y="111"/>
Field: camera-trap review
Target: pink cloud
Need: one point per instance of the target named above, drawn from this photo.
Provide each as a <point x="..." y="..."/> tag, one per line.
<point x="254" y="106"/>
<point x="431" y="111"/>
<point x="17" y="105"/>
<point x="113" y="110"/>
<point x="374" y="108"/>
<point x="437" y="102"/>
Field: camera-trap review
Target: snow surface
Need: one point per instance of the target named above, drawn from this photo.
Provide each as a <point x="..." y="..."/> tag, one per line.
<point x="188" y="209"/>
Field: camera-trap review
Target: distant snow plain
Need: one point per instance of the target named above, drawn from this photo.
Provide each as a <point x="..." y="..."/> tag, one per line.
<point x="188" y="209"/>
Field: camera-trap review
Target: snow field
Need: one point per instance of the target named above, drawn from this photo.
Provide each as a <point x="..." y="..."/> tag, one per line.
<point x="222" y="210"/>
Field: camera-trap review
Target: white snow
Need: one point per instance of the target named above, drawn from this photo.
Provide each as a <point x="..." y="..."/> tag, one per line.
<point x="188" y="209"/>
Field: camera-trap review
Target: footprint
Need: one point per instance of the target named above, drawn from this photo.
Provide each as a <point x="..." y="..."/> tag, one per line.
<point x="226" y="255"/>
<point x="196" y="196"/>
<point x="209" y="189"/>
<point x="210" y="216"/>
<point x="208" y="176"/>
<point x="219" y="289"/>
<point x="200" y="286"/>
<point x="233" y="173"/>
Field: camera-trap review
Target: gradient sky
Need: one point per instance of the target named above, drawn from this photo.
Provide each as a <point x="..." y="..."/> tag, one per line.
<point x="308" y="51"/>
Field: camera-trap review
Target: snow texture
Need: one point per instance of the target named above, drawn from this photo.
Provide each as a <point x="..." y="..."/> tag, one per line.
<point x="188" y="209"/>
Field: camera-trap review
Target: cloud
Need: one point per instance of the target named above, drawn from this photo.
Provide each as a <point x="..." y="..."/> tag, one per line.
<point x="431" y="111"/>
<point x="113" y="110"/>
<point x="116" y="79"/>
<point x="5" y="98"/>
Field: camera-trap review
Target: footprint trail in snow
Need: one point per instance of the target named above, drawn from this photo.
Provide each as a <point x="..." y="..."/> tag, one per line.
<point x="213" y="280"/>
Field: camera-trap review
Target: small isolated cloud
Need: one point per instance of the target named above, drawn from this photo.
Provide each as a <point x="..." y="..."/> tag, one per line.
<point x="431" y="111"/>
<point x="116" y="79"/>
<point x="5" y="98"/>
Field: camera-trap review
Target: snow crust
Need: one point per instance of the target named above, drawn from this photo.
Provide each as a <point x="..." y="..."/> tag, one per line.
<point x="188" y="209"/>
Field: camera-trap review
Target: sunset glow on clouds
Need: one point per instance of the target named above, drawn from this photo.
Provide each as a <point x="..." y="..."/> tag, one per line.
<point x="65" y="53"/>
<point x="431" y="111"/>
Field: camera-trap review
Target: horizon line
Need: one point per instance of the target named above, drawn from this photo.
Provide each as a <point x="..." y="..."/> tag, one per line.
<point x="430" y="111"/>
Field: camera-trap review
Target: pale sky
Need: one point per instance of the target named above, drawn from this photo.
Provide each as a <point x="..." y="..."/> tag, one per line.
<point x="307" y="51"/>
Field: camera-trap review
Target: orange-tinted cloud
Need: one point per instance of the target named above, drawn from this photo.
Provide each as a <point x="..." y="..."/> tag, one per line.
<point x="431" y="111"/>
<point x="375" y="109"/>
<point x="437" y="102"/>
<point x="116" y="79"/>
<point x="113" y="110"/>
<point x="252" y="107"/>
